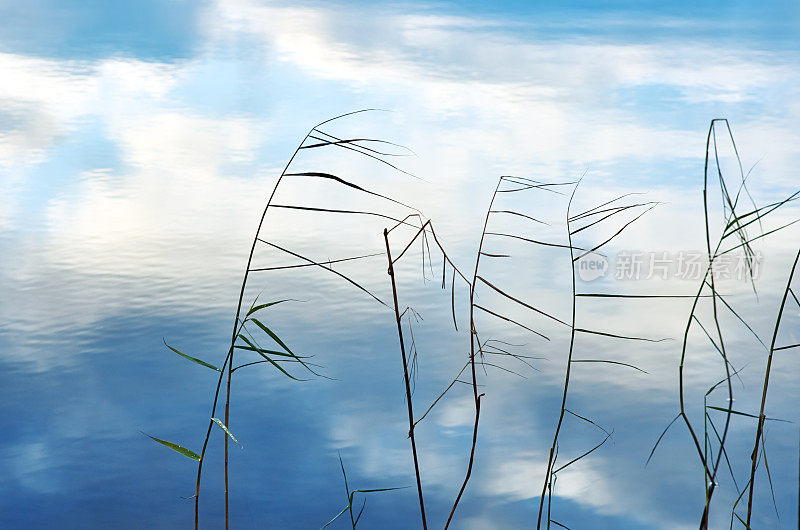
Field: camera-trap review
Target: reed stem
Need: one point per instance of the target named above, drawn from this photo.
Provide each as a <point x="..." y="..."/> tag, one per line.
<point x="761" y="417"/>
<point x="551" y="459"/>
<point x="407" y="382"/>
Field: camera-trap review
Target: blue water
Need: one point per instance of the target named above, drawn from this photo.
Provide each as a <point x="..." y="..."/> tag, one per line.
<point x="138" y="146"/>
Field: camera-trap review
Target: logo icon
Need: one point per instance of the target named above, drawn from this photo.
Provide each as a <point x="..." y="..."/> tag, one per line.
<point x="592" y="266"/>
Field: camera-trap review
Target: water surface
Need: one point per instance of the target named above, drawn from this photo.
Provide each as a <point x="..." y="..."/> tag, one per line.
<point x="137" y="149"/>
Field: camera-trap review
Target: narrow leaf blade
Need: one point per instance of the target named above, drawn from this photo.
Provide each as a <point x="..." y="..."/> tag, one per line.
<point x="262" y="306"/>
<point x="175" y="447"/>
<point x="193" y="359"/>
<point x="269" y="332"/>
<point x="224" y="428"/>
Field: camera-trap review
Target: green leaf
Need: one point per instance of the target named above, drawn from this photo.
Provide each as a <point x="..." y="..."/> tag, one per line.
<point x="273" y="352"/>
<point x="224" y="428"/>
<point x="271" y="334"/>
<point x="176" y="447"/>
<point x="193" y="359"/>
<point x="268" y="359"/>
<point x="262" y="306"/>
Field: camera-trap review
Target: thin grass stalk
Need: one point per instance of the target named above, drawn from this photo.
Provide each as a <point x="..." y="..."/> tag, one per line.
<point x="407" y="383"/>
<point x="712" y="485"/>
<point x="761" y="417"/>
<point x="236" y="323"/>
<point x="709" y="476"/>
<point x="471" y="460"/>
<point x="227" y="422"/>
<point x="681" y="393"/>
<point x="710" y="471"/>
<point x="472" y="352"/>
<point x="228" y="363"/>
<point x="229" y="358"/>
<point x="551" y="459"/>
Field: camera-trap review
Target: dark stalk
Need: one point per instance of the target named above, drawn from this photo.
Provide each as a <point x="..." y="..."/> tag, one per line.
<point x="228" y="363"/>
<point x="407" y="383"/>
<point x="761" y="417"/>
<point x="551" y="459"/>
<point x="709" y="475"/>
<point x="710" y="277"/>
<point x="472" y="350"/>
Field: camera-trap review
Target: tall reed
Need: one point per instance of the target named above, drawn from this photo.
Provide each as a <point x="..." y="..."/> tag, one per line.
<point x="733" y="235"/>
<point x="241" y="337"/>
<point x="603" y="222"/>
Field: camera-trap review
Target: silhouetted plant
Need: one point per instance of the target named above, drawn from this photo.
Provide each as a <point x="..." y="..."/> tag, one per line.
<point x="251" y="330"/>
<point x="733" y="235"/>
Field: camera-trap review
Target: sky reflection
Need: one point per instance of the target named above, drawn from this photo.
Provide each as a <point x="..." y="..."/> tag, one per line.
<point x="137" y="146"/>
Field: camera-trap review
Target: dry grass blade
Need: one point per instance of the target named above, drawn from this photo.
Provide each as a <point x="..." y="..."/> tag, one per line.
<point x="356" y="142"/>
<point x="340" y="180"/>
<point x="590" y="451"/>
<point x="609" y="362"/>
<point x="613" y="213"/>
<point x="327" y="263"/>
<point x="484" y="363"/>
<point x="329" y="269"/>
<point x="618" y="232"/>
<point x="545" y="243"/>
<point x="529" y="187"/>
<point x="611" y="295"/>
<point x="511" y="212"/>
<point x="587" y="420"/>
<point x="615" y="336"/>
<point x="365" y="151"/>
<point x="520" y="302"/>
<point x="507" y="319"/>
<point x="332" y="210"/>
<point x="597" y="209"/>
